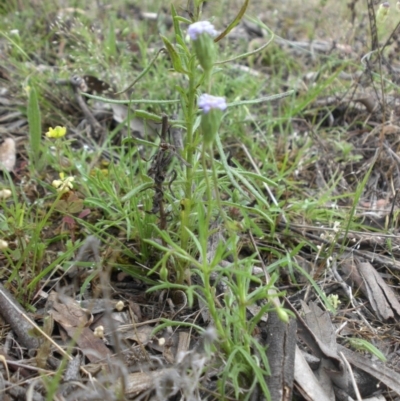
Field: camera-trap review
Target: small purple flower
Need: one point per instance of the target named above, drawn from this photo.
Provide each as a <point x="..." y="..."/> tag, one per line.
<point x="212" y="108"/>
<point x="200" y="27"/>
<point x="208" y="102"/>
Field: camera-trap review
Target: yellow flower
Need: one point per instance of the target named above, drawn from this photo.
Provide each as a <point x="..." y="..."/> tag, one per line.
<point x="63" y="184"/>
<point x="57" y="132"/>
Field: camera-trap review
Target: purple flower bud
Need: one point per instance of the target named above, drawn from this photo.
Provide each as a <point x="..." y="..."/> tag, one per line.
<point x="201" y="27"/>
<point x="212" y="107"/>
<point x="202" y="35"/>
<point x="382" y="12"/>
<point x="208" y="102"/>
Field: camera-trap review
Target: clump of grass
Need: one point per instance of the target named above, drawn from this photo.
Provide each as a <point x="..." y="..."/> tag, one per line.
<point x="192" y="256"/>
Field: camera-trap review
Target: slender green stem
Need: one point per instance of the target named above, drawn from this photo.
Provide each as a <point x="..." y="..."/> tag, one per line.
<point x="208" y="289"/>
<point x="43" y="222"/>
<point x="189" y="148"/>
<point x="209" y="295"/>
<point x="209" y="191"/>
<point x="189" y="152"/>
<point x="216" y="190"/>
<point x="207" y="80"/>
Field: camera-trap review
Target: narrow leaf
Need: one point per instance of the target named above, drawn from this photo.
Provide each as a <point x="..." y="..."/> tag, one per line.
<point x="176" y="61"/>
<point x="130" y="101"/>
<point x="359" y="343"/>
<point x="35" y="124"/>
<point x="177" y="28"/>
<point x="234" y="22"/>
<point x="147" y="116"/>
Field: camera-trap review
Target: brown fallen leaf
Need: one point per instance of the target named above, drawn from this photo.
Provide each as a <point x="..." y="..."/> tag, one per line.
<point x="380" y="295"/>
<point x="316" y="331"/>
<point x="141" y="335"/>
<point x="75" y="321"/>
<point x="377" y="369"/>
<point x="138" y="126"/>
<point x="306" y="382"/>
<point x="331" y="370"/>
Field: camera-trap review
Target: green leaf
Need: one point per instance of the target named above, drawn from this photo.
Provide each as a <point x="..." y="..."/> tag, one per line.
<point x="87" y="281"/>
<point x="359" y="343"/>
<point x="76" y="206"/>
<point x="183" y="19"/>
<point x="182" y="45"/>
<point x="176" y="61"/>
<point x="111" y="39"/>
<point x="35" y="125"/>
<point x="177" y="28"/>
<point x="147" y="116"/>
<point x="261" y="99"/>
<point x="234" y="22"/>
<point x="130" y="101"/>
<point x="135" y="191"/>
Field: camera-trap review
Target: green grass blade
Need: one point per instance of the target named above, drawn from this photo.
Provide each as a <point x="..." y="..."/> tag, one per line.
<point x="35" y="126"/>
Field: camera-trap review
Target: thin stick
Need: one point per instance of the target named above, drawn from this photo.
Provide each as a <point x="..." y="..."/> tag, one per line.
<point x="353" y="380"/>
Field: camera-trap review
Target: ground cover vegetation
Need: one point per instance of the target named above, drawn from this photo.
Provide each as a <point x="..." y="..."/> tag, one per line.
<point x="198" y="197"/>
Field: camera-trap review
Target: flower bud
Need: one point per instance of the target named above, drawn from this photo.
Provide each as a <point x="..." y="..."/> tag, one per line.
<point x="382" y="12"/>
<point x="282" y="314"/>
<point x="164" y="273"/>
<point x="212" y="108"/>
<point x="201" y="34"/>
